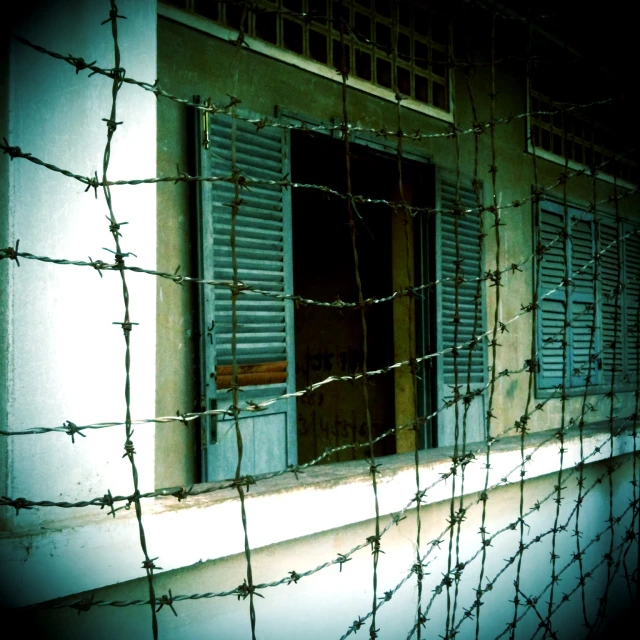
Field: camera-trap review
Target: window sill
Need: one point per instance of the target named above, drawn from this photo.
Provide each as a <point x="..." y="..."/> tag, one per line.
<point x="55" y="562"/>
<point x="224" y="33"/>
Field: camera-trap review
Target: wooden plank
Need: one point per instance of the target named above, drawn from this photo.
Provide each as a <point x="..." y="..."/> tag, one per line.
<point x="404" y="336"/>
<point x="249" y="374"/>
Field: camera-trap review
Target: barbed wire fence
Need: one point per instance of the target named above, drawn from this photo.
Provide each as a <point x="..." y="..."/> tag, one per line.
<point x="457" y="623"/>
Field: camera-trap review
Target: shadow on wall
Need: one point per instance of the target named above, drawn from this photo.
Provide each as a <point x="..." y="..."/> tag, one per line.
<point x="620" y="625"/>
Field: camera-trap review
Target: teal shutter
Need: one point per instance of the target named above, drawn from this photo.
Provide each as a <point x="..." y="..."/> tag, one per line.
<point x="611" y="313"/>
<point x="471" y="312"/>
<point x="582" y="241"/>
<point x="632" y="303"/>
<point x="551" y="315"/>
<point x="264" y="335"/>
<point x="572" y="303"/>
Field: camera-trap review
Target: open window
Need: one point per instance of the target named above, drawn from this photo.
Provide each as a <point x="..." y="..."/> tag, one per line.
<point x="298" y="240"/>
<point x="329" y="341"/>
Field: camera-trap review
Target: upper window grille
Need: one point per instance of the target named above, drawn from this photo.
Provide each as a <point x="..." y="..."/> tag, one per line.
<point x="396" y="45"/>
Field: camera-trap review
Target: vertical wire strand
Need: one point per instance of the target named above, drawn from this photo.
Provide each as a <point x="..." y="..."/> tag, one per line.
<point x="630" y="534"/>
<point x="375" y="540"/>
<point x="476" y="184"/>
<point x="457" y="515"/>
<point x="496" y="316"/>
<point x="592" y="362"/>
<point x="405" y="211"/>
<point x="239" y="481"/>
<point x="524" y="419"/>
<point x="568" y="282"/>
<point x="612" y="401"/>
<point x="478" y="311"/>
<point x="634" y="534"/>
<point x="114" y="227"/>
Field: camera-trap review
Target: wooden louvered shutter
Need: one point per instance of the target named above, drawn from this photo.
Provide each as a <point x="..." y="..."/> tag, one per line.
<point x="632" y="303"/>
<point x="264" y="335"/>
<point x="572" y="303"/>
<point x="583" y="349"/>
<point x="610" y="309"/>
<point x="471" y="312"/>
<point x="551" y="299"/>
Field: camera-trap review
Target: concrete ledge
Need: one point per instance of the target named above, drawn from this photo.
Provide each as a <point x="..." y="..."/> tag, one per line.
<point x="101" y="550"/>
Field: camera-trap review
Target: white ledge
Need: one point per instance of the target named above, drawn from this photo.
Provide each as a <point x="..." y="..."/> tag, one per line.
<point x="54" y="562"/>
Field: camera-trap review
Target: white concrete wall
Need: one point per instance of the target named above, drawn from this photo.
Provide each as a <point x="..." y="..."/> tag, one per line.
<point x="65" y="357"/>
<point x="326" y="604"/>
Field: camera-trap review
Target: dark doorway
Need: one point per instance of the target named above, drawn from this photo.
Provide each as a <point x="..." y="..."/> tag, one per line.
<point x="329" y="341"/>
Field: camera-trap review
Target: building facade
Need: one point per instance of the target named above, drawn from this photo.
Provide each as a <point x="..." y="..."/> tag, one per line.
<point x="416" y="262"/>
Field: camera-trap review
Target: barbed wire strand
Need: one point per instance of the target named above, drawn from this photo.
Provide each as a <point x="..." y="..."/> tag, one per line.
<point x="114" y="227"/>
<point x="373" y="467"/>
<point x="393" y="521"/>
<point x="13" y="253"/>
<point x="209" y="106"/>
<point x="568" y="307"/>
<point x="534" y="313"/>
<point x="617" y="249"/>
<point x="496" y="315"/>
<point x="408" y="306"/>
<point x="248" y="587"/>
<point x="247" y="181"/>
<point x="612" y="402"/>
<point x="72" y="429"/>
<point x="456" y="572"/>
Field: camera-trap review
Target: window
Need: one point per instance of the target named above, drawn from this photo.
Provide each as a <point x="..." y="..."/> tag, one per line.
<point x="578" y="112"/>
<point x="600" y="313"/>
<point x="573" y="135"/>
<point x="295" y="240"/>
<point x="372" y="31"/>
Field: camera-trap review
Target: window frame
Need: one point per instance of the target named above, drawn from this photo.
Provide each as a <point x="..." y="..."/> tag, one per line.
<point x="430" y="396"/>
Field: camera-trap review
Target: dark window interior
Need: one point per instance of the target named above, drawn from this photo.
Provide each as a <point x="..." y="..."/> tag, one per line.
<point x="330" y="341"/>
